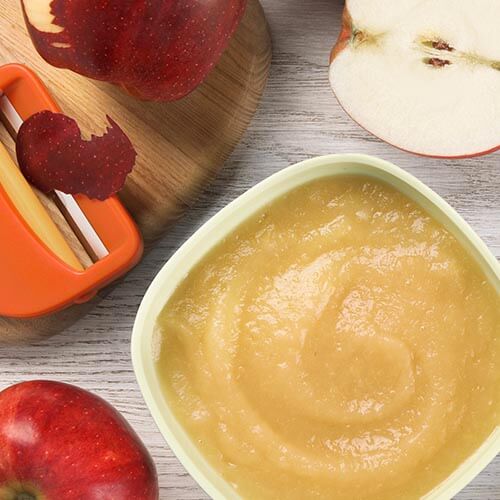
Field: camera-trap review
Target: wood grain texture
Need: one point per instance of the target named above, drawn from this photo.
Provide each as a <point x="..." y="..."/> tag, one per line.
<point x="298" y="118"/>
<point x="180" y="145"/>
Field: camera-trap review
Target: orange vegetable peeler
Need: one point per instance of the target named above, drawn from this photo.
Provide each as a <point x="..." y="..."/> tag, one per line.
<point x="39" y="274"/>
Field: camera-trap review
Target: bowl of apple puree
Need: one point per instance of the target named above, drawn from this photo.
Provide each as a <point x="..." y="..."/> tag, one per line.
<point x="338" y="344"/>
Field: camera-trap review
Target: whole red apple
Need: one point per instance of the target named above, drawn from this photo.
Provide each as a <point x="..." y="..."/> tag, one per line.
<point x="59" y="442"/>
<point x="157" y="50"/>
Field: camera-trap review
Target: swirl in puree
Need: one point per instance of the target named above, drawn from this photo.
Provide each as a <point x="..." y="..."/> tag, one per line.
<point x="339" y="344"/>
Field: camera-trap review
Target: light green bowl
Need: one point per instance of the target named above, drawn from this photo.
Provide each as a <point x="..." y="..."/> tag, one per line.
<point x="145" y="342"/>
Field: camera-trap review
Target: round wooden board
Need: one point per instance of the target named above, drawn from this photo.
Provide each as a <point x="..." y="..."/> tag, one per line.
<point x="180" y="145"/>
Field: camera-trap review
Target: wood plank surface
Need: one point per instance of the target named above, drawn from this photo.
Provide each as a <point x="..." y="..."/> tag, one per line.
<point x="298" y="118"/>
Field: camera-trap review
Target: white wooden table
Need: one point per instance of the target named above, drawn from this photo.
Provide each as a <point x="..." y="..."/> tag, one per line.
<point x="299" y="118"/>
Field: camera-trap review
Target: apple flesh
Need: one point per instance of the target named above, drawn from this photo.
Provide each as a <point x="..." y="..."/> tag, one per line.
<point x="60" y="442"/>
<point x="157" y="50"/>
<point x="423" y="76"/>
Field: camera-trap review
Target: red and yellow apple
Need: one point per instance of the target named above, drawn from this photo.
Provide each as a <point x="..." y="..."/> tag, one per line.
<point x="423" y="76"/>
<point x="157" y="50"/>
<point x="60" y="442"/>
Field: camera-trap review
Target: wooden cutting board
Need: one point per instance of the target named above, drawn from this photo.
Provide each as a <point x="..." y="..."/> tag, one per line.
<point x="181" y="145"/>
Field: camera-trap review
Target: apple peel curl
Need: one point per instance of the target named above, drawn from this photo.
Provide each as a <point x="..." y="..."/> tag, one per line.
<point x="53" y="156"/>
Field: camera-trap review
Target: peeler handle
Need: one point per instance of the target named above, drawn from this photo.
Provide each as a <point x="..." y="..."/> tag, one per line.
<point x="35" y="281"/>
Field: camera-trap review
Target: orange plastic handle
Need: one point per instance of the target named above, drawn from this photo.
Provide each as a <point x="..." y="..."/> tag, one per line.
<point x="34" y="281"/>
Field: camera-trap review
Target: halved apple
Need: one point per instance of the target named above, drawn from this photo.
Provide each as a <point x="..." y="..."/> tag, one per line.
<point x="422" y="75"/>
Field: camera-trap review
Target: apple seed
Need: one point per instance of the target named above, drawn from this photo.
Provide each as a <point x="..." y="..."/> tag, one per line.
<point x="438" y="45"/>
<point x="436" y="62"/>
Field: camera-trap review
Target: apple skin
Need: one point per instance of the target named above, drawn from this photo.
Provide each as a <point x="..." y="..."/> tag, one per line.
<point x="159" y="50"/>
<point x="344" y="35"/>
<point x="60" y="442"/>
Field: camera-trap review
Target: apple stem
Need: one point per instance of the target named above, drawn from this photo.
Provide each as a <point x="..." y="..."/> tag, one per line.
<point x="25" y="496"/>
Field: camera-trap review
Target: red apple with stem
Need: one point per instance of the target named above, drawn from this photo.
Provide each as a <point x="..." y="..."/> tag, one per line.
<point x="156" y="50"/>
<point x="60" y="442"/>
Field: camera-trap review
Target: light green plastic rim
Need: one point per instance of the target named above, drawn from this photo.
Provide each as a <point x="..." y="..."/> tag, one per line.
<point x="145" y="342"/>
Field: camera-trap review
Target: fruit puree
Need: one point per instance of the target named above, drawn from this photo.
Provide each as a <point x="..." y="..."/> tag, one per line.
<point x="339" y="344"/>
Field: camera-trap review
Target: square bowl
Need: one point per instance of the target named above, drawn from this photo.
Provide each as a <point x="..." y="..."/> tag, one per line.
<point x="145" y="340"/>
